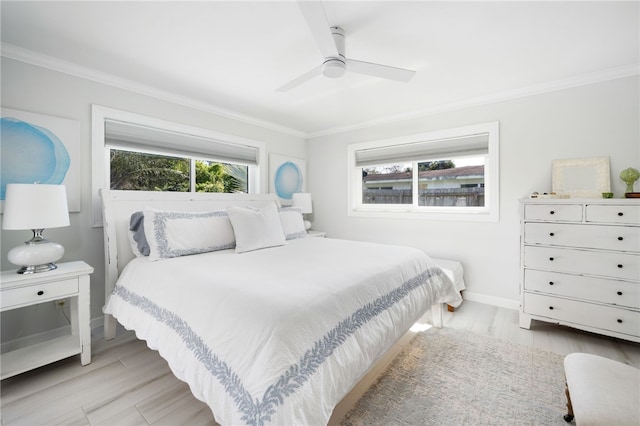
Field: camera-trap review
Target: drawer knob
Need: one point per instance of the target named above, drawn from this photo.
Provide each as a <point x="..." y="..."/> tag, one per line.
<point x="551" y="308"/>
<point x="619" y="321"/>
<point x="551" y="234"/>
<point x="620" y="265"/>
<point x="551" y="259"/>
<point x="550" y="282"/>
<point x="40" y="292"/>
<point x="619" y="293"/>
<point x="552" y="212"/>
<point x="620" y="214"/>
<point x="620" y="238"/>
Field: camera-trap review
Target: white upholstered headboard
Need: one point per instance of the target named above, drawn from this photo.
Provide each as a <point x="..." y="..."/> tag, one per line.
<point x="117" y="207"/>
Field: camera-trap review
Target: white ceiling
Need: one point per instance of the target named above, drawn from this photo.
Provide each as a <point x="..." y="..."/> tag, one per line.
<point x="233" y="55"/>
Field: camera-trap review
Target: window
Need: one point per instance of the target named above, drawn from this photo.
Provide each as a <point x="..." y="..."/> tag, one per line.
<point x="143" y="153"/>
<point x="450" y="175"/>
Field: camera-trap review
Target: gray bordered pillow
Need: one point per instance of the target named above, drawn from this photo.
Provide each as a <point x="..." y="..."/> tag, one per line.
<point x="174" y="233"/>
<point x="292" y="223"/>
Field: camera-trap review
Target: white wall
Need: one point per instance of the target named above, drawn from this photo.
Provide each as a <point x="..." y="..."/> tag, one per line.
<point x="588" y="121"/>
<point x="30" y="88"/>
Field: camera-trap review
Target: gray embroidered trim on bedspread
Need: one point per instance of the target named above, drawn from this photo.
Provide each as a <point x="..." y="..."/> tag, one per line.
<point x="258" y="412"/>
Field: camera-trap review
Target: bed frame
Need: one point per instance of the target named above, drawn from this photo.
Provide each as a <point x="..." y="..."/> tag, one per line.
<point x="117" y="209"/>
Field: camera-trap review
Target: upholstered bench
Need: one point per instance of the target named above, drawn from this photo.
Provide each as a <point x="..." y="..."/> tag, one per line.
<point x="455" y="272"/>
<point x="601" y="391"/>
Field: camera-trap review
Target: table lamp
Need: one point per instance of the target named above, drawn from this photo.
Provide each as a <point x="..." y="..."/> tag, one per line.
<point x="35" y="207"/>
<point x="302" y="201"/>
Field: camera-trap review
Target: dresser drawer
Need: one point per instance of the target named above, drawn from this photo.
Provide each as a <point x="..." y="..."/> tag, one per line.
<point x="613" y="214"/>
<point x="621" y="293"/>
<point x="608" y="237"/>
<point x="605" y="264"/>
<point x="555" y="212"/>
<point x="619" y="320"/>
<point x="17" y="296"/>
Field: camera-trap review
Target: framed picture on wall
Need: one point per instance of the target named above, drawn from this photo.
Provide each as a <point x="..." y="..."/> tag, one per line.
<point x="286" y="176"/>
<point x="40" y="148"/>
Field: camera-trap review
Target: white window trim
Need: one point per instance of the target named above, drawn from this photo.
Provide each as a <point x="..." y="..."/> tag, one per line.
<point x="488" y="213"/>
<point x="100" y="152"/>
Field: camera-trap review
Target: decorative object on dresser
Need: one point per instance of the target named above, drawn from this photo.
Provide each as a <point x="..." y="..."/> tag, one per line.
<point x="302" y="201"/>
<point x="629" y="176"/>
<point x="580" y="262"/>
<point x="581" y="177"/>
<point x="35" y="207"/>
<point x="69" y="280"/>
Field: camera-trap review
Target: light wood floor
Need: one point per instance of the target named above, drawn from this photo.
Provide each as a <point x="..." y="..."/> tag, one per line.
<point x="129" y="384"/>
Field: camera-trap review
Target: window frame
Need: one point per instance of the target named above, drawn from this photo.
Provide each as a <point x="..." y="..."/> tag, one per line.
<point x="100" y="150"/>
<point x="488" y="213"/>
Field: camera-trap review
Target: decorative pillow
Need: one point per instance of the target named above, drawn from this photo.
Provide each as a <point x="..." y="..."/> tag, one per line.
<point x="256" y="228"/>
<point x="292" y="223"/>
<point x="138" y="240"/>
<point x="172" y="234"/>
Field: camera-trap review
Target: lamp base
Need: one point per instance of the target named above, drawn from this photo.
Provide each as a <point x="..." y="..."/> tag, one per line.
<point x="34" y="269"/>
<point x="35" y="256"/>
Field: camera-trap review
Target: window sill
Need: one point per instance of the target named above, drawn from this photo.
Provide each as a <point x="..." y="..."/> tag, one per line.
<point x="432" y="214"/>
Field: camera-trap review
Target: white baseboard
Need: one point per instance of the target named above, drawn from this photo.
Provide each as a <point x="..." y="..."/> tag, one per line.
<point x="491" y="300"/>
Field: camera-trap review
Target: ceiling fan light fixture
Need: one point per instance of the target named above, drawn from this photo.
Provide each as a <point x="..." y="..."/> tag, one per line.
<point x="334" y="68"/>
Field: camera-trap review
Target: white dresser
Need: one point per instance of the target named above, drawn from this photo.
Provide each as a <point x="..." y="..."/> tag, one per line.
<point x="580" y="262"/>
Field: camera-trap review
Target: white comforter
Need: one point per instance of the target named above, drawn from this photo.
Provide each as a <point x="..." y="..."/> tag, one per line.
<point x="280" y="335"/>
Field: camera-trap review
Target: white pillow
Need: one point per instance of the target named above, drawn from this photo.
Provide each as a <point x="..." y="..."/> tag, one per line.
<point x="292" y="223"/>
<point x="172" y="234"/>
<point x="256" y="228"/>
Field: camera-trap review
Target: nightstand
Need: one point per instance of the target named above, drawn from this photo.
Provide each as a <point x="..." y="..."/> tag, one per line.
<point x="69" y="280"/>
<point x="317" y="234"/>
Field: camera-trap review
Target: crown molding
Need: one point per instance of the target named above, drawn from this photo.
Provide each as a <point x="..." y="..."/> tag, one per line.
<point x="28" y="56"/>
<point x="552" y="86"/>
<point x="55" y="64"/>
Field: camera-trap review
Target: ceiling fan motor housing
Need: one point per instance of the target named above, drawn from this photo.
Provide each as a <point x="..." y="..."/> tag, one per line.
<point x="334" y="67"/>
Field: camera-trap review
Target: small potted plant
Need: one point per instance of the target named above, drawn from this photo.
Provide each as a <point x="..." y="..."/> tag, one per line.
<point x="629" y="176"/>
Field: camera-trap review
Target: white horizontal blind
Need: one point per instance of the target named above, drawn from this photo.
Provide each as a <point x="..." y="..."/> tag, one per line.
<point x="439" y="149"/>
<point x="128" y="136"/>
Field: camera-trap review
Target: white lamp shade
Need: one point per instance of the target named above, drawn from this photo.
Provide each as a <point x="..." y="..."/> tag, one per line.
<point x="302" y="200"/>
<point x="35" y="206"/>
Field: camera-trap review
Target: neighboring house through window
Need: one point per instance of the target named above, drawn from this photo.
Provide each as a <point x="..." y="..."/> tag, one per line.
<point x="450" y="174"/>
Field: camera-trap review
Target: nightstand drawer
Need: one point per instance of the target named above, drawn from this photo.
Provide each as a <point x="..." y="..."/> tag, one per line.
<point x="31" y="294"/>
<point x="608" y="237"/>
<point x="613" y="214"/>
<point x="555" y="212"/>
<point x="610" y="318"/>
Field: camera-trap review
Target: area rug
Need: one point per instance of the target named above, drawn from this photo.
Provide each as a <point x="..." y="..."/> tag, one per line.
<point x="453" y="377"/>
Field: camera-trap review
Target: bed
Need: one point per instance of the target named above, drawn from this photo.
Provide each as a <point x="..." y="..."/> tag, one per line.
<point x="273" y="335"/>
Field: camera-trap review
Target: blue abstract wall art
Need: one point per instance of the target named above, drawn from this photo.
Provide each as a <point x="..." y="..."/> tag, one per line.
<point x="31" y="153"/>
<point x="288" y="180"/>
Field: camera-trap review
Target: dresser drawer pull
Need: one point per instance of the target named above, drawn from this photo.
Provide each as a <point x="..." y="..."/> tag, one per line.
<point x="551" y="259"/>
<point x="620" y="265"/>
<point x="619" y="293"/>
<point x="552" y="212"/>
<point x="551" y="234"/>
<point x="620" y="214"/>
<point x="551" y="308"/>
<point x="40" y="293"/>
<point x="550" y="282"/>
<point x="619" y="321"/>
<point x="620" y="238"/>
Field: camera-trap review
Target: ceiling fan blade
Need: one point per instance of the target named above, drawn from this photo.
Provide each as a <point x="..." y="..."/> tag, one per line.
<point x="300" y="80"/>
<point x="382" y="71"/>
<point x="316" y="18"/>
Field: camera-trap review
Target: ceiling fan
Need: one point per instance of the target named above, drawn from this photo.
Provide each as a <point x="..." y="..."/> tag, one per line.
<point x="330" y="41"/>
